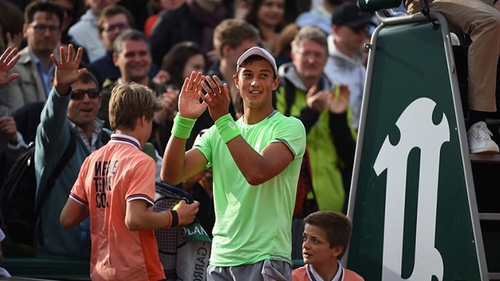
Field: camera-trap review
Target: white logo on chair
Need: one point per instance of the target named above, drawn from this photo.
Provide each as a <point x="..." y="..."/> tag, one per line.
<point x="416" y="131"/>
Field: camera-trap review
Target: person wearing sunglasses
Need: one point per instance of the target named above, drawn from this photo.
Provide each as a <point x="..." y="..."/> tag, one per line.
<point x="69" y="113"/>
<point x="346" y="58"/>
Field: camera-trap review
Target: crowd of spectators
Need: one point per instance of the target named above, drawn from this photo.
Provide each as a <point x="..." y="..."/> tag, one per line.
<point x="319" y="79"/>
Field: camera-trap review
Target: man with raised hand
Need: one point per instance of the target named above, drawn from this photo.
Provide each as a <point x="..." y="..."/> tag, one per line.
<point x="70" y="114"/>
<point x="255" y="162"/>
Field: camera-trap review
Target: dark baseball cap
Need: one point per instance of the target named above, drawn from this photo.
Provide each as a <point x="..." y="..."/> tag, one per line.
<point x="350" y="14"/>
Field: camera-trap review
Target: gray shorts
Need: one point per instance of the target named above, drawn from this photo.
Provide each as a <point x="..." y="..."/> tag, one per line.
<point x="266" y="270"/>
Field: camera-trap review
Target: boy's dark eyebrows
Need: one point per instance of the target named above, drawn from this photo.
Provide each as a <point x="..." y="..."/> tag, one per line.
<point x="261" y="70"/>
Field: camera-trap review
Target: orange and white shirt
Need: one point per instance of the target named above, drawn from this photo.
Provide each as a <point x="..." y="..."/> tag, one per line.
<point x="118" y="173"/>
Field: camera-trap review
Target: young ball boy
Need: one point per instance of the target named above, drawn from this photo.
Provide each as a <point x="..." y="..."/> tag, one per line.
<point x="326" y="237"/>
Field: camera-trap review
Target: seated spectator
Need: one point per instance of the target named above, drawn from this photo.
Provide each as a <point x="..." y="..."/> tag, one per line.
<point x="85" y="33"/>
<point x="71" y="10"/>
<point x="42" y="29"/>
<point x="194" y="21"/>
<point x="111" y="22"/>
<point x="11" y="24"/>
<point x="179" y="62"/>
<point x="306" y="92"/>
<point x="346" y="57"/>
<point x="268" y="16"/>
<point x="325" y="241"/>
<point x="131" y="55"/>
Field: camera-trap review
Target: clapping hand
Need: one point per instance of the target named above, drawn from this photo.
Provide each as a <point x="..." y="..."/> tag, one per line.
<point x="317" y="101"/>
<point x="67" y="71"/>
<point x="8" y="127"/>
<point x="189" y="98"/>
<point x="217" y="97"/>
<point x="170" y="100"/>
<point x="8" y="59"/>
<point x="338" y="101"/>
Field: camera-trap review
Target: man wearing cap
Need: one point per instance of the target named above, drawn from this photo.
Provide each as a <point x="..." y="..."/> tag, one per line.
<point x="255" y="162"/>
<point x="321" y="16"/>
<point x="346" y="60"/>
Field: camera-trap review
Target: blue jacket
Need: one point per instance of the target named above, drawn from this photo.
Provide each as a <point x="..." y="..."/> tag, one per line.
<point x="52" y="138"/>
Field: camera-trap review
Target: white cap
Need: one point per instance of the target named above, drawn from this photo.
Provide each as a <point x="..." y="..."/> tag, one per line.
<point x="257" y="51"/>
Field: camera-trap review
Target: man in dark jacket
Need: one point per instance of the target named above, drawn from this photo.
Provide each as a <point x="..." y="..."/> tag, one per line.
<point x="194" y="21"/>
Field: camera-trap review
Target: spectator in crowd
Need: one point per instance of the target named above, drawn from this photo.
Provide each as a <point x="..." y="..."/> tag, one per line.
<point x="70" y="112"/>
<point x="11" y="141"/>
<point x="321" y="16"/>
<point x="346" y="57"/>
<point x="11" y="24"/>
<point x="255" y="162"/>
<point x="71" y="8"/>
<point x="322" y="106"/>
<point x="232" y="38"/>
<point x="116" y="189"/>
<point x="132" y="56"/>
<point x="241" y="8"/>
<point x="42" y="28"/>
<point x="194" y="21"/>
<point x="111" y="22"/>
<point x="85" y="33"/>
<point x="178" y="63"/>
<point x="159" y="6"/>
<point x="325" y="241"/>
<point x="482" y="23"/>
<point x="283" y="49"/>
<point x="184" y="58"/>
<point x="268" y="16"/>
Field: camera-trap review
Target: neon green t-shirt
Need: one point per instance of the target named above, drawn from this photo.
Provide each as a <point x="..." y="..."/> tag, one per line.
<point x="253" y="222"/>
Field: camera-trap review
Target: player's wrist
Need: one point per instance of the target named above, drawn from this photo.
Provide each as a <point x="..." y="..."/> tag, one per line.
<point x="182" y="126"/>
<point x="227" y="128"/>
<point x="174" y="218"/>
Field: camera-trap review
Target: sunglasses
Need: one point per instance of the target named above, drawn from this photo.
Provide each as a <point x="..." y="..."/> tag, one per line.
<point x="80" y="94"/>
